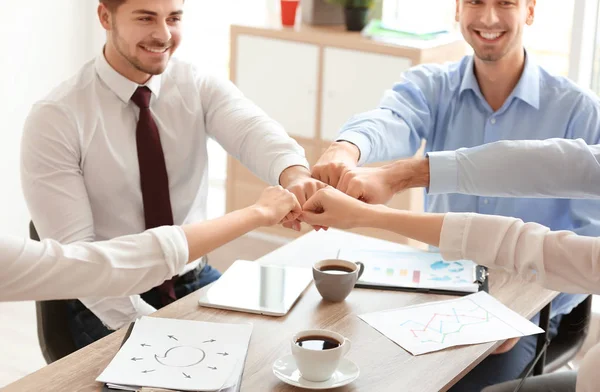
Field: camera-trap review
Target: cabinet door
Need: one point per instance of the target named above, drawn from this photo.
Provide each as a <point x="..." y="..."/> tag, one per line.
<point x="354" y="82"/>
<point x="281" y="78"/>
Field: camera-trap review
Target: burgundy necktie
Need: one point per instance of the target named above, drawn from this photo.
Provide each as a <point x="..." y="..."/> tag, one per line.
<point x="153" y="176"/>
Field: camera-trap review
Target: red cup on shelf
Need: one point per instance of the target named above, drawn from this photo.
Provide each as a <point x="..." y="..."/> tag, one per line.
<point x="288" y="11"/>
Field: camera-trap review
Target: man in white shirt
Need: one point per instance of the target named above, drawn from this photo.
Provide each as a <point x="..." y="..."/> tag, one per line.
<point x="121" y="147"/>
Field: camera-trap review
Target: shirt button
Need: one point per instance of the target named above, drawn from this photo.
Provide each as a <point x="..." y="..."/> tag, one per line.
<point x="486" y="201"/>
<point x="493" y="121"/>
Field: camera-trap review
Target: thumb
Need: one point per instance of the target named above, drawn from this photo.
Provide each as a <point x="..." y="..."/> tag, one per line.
<point x="313" y="204"/>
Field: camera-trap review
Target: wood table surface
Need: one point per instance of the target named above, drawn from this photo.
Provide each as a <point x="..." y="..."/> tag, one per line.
<point x="384" y="366"/>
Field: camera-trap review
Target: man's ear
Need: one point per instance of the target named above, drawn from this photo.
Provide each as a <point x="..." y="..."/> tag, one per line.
<point x="456" y="15"/>
<point x="104" y="16"/>
<point x="530" y="12"/>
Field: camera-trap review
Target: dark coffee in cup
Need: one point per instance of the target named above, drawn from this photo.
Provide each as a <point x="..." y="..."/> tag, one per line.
<point x="335" y="278"/>
<point x="318" y="352"/>
<point x="336" y="269"/>
<point x="318" y="343"/>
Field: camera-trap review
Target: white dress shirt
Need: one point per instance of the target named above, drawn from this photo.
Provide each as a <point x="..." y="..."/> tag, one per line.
<point x="532" y="168"/>
<point x="79" y="169"/>
<point x="559" y="260"/>
<point x="31" y="270"/>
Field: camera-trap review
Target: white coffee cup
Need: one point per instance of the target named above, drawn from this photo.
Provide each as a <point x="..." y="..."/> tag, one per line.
<point x="318" y="365"/>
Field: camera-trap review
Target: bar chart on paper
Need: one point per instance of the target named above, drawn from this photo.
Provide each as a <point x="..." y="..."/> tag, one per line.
<point x="477" y="318"/>
<point x="421" y="270"/>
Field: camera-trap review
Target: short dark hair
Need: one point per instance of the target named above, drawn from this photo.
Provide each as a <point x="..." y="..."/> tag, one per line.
<point x="112" y="5"/>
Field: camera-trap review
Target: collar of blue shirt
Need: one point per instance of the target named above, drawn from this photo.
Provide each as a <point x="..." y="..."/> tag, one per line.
<point x="527" y="89"/>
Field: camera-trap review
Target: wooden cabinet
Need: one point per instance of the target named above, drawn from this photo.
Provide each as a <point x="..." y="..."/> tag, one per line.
<point x="281" y="77"/>
<point x="354" y="82"/>
<point x="312" y="80"/>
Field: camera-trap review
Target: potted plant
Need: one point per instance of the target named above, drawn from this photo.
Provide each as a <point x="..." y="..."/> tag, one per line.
<point x="355" y="11"/>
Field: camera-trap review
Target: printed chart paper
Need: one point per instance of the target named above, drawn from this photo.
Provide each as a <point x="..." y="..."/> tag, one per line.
<point x="180" y="355"/>
<point x="476" y="318"/>
<point x="413" y="269"/>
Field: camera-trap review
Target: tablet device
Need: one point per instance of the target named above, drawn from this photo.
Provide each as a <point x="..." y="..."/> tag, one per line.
<point x="251" y="287"/>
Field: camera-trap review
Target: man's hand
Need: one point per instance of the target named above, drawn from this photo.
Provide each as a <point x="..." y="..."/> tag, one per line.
<point x="335" y="161"/>
<point x="297" y="179"/>
<point x="371" y="185"/>
<point x="378" y="185"/>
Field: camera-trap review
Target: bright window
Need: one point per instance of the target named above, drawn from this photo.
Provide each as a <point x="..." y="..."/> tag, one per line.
<point x="548" y="39"/>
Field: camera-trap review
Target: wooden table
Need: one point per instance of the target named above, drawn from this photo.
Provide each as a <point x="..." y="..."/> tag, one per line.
<point x="384" y="366"/>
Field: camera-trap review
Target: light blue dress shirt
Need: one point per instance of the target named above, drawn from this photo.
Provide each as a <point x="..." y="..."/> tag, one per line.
<point x="525" y="168"/>
<point x="444" y="105"/>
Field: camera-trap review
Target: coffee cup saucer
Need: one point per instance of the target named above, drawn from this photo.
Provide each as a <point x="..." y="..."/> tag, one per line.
<point x="286" y="370"/>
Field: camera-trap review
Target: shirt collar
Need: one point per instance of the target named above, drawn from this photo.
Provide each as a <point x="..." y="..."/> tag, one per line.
<point x="527" y="89"/>
<point x="119" y="84"/>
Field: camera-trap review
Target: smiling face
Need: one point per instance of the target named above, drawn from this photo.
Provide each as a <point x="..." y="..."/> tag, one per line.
<point x="494" y="28"/>
<point x="142" y="35"/>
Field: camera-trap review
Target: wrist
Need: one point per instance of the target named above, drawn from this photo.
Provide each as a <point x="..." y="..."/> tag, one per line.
<point x="419" y="167"/>
<point x="255" y="215"/>
<point x="369" y="214"/>
<point x="407" y="173"/>
<point x="382" y="215"/>
<point x="293" y="173"/>
<point x="350" y="149"/>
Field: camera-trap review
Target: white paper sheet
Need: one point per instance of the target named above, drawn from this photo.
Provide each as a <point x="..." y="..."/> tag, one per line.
<point x="413" y="269"/>
<point x="180" y="355"/>
<point x="476" y="318"/>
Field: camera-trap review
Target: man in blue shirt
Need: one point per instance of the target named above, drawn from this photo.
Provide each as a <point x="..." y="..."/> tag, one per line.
<point x="496" y="94"/>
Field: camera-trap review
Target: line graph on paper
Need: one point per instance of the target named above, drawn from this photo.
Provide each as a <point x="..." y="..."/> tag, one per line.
<point x="477" y="318"/>
<point x="442" y="326"/>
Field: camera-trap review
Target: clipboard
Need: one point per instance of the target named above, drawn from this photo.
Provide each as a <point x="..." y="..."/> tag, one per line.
<point x="482" y="279"/>
<point x="236" y="388"/>
<point x="417" y="271"/>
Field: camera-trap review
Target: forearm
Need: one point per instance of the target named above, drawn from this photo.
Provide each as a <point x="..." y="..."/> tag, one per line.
<point x="422" y="227"/>
<point x="248" y="133"/>
<point x="293" y="173"/>
<point x="123" y="266"/>
<point x="204" y="237"/>
<point x="524" y="168"/>
<point x="560" y="260"/>
<point x="380" y="135"/>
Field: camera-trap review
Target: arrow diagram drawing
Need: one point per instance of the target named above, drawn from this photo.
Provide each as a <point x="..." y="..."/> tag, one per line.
<point x="185" y="375"/>
<point x="172" y="337"/>
<point x="134" y="359"/>
<point x="223" y="354"/>
<point x="145" y="345"/>
<point x="148" y="371"/>
<point x="212" y="368"/>
<point x="210" y="341"/>
<point x="181" y="356"/>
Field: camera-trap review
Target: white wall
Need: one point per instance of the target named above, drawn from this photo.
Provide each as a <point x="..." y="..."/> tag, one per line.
<point x="43" y="43"/>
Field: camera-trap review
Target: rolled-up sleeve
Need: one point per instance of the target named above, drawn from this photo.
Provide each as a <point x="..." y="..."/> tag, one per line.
<point x="524" y="168"/>
<point x="559" y="260"/>
<point x="403" y="119"/>
<point x="123" y="266"/>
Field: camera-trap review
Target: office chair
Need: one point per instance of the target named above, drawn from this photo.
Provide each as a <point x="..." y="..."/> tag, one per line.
<point x="52" y="325"/>
<point x="572" y="332"/>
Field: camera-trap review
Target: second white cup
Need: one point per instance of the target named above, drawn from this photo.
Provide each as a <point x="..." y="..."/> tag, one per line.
<point x="318" y="353"/>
